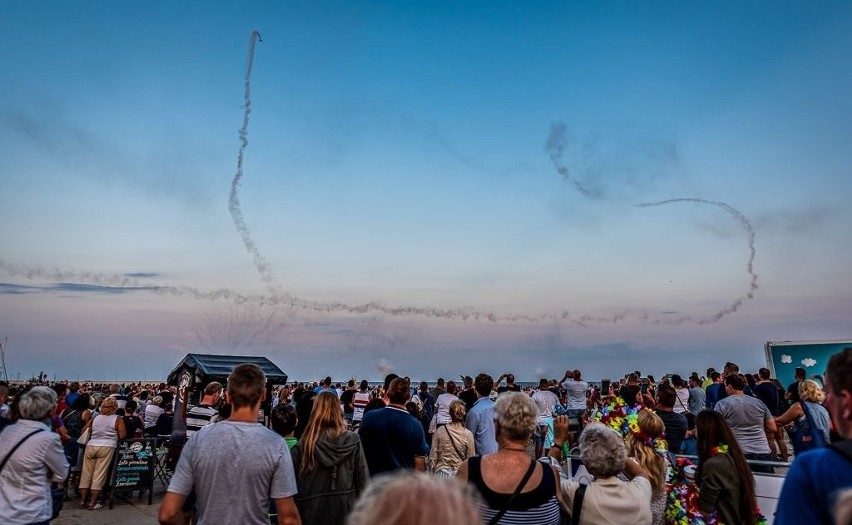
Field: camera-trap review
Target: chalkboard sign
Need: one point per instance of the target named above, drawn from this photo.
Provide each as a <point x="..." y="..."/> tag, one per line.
<point x="133" y="467"/>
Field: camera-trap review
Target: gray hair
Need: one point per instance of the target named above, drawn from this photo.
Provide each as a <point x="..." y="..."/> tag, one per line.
<point x="602" y="450"/>
<point x="516" y="414"/>
<point x="411" y="498"/>
<point x="36" y="403"/>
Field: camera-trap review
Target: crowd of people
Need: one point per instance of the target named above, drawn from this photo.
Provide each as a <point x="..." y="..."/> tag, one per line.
<point x="668" y="451"/>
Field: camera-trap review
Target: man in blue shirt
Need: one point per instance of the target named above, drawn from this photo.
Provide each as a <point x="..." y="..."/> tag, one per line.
<point x="712" y="390"/>
<point x="391" y="437"/>
<point x="480" y="419"/>
<point x="818" y="478"/>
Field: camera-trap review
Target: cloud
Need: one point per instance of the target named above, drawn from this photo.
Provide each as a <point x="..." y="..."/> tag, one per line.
<point x="17" y="289"/>
<point x="786" y="359"/>
<point x="809" y="362"/>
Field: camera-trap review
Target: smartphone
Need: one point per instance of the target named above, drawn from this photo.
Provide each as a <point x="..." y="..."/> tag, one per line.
<point x="605" y="386"/>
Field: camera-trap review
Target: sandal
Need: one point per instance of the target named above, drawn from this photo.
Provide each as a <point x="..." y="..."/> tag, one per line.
<point x="97" y="506"/>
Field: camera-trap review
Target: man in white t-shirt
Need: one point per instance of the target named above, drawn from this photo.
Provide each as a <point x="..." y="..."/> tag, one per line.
<point x="577" y="403"/>
<point x="545" y="400"/>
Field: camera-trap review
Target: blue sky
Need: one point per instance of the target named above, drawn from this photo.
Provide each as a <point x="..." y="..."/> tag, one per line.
<point x="397" y="154"/>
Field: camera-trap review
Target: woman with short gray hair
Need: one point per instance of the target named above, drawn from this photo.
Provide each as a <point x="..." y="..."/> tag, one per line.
<point x="607" y="499"/>
<point x="517" y="415"/>
<point x="602" y="451"/>
<point x="32" y="457"/>
<point x="515" y="489"/>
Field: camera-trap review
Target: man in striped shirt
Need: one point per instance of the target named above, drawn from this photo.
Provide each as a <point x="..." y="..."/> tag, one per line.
<point x="205" y="412"/>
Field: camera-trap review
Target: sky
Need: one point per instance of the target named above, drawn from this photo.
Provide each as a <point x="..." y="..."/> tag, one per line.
<point x="430" y="188"/>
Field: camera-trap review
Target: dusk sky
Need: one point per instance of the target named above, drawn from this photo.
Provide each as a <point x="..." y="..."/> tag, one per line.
<point x="480" y="162"/>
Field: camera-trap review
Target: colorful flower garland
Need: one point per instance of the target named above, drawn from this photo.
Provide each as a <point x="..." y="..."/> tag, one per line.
<point x="721" y="448"/>
<point x="682" y="502"/>
<point x="619" y="417"/>
<point x="625" y="420"/>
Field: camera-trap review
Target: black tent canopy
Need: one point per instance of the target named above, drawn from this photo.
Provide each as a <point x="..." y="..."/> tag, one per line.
<point x="196" y="371"/>
<point x="205" y="368"/>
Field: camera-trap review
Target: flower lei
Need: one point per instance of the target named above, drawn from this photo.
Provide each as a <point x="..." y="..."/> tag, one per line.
<point x="625" y="420"/>
<point x="682" y="497"/>
<point x="619" y="417"/>
<point x="721" y="448"/>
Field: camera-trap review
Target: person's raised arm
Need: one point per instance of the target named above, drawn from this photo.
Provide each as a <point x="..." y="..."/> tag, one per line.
<point x="567" y="374"/>
<point x="561" y="432"/>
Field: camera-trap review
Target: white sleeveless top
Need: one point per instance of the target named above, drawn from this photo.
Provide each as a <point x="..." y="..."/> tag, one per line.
<point x="103" y="432"/>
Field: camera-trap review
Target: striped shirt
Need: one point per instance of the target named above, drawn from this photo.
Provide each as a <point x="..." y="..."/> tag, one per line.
<point x="536" y="507"/>
<point x="199" y="417"/>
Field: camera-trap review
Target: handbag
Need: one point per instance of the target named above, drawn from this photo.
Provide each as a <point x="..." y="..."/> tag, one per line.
<point x="806" y="435"/>
<point x="85" y="436"/>
<point x="453" y="443"/>
<point x="57" y="496"/>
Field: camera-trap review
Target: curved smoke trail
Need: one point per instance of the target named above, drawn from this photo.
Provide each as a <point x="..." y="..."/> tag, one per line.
<point x="557" y="140"/>
<point x="234" y="199"/>
<point x="744" y="222"/>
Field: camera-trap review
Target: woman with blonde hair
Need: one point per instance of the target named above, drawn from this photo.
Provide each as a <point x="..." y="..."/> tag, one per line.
<point x="452" y="444"/>
<point x="107" y="429"/>
<point x="648" y="448"/>
<point x="331" y="470"/>
<point x="811" y="419"/>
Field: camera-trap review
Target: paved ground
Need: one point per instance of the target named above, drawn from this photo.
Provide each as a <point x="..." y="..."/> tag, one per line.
<point x="134" y="511"/>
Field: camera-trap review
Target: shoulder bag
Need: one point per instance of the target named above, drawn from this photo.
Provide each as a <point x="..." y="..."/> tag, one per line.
<point x="57" y="496"/>
<point x="579" y="495"/>
<point x="806" y="436"/>
<point x="453" y="443"/>
<point x="86" y="434"/>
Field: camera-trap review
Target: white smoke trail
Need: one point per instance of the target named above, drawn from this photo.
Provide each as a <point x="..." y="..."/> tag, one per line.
<point x="556" y="142"/>
<point x="234" y="200"/>
<point x="370" y="308"/>
<point x="744" y="222"/>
